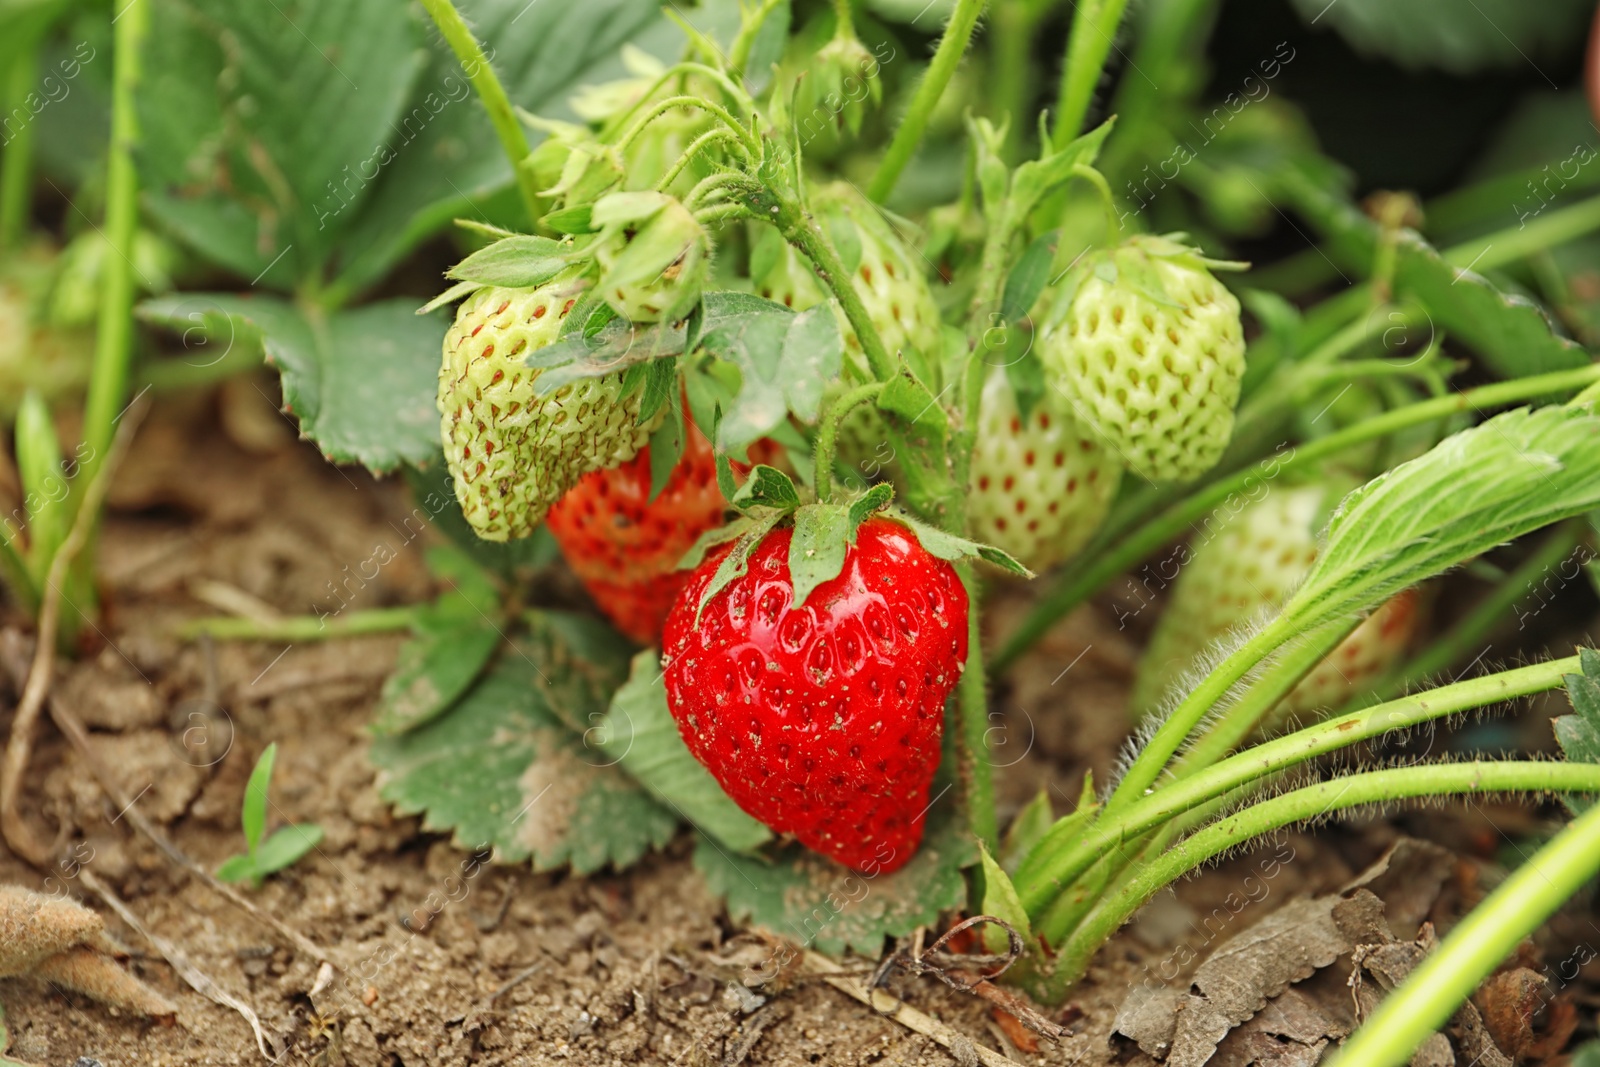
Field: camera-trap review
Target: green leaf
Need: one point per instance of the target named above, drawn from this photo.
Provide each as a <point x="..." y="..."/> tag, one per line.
<point x="253" y="813"/>
<point x="666" y="448"/>
<point x="361" y="383"/>
<point x="822" y="536"/>
<point x="1000" y="900"/>
<point x="518" y="262"/>
<point x="1513" y="334"/>
<point x="640" y="734"/>
<point x="812" y="354"/>
<point x="264" y="126"/>
<point x="1579" y="733"/>
<point x="947" y="546"/>
<point x="766" y="487"/>
<point x="1029" y="277"/>
<point x="806" y="898"/>
<point x="238" y="869"/>
<point x="447" y="160"/>
<point x="286" y="846"/>
<point x="454" y="638"/>
<point x="1446" y="35"/>
<point x="503" y="769"/>
<point x="434" y="491"/>
<point x="1476" y="489"/>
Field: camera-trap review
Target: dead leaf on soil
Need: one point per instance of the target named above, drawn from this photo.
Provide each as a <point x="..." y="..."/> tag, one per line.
<point x="64" y="943"/>
<point x="1271" y="996"/>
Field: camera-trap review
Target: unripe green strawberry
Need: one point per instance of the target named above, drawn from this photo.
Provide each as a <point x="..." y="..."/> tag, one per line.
<point x="1150" y="352"/>
<point x="1242" y="567"/>
<point x="1040" y="486"/>
<point x="653" y="254"/>
<point x="512" y="452"/>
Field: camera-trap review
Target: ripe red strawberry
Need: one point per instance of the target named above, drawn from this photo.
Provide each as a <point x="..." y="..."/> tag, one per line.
<point x="823" y="721"/>
<point x="626" y="547"/>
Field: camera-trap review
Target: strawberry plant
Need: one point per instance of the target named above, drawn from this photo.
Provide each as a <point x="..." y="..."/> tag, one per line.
<point x="800" y="357"/>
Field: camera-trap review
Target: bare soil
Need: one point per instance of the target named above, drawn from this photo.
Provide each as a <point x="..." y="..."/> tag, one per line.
<point x="219" y="501"/>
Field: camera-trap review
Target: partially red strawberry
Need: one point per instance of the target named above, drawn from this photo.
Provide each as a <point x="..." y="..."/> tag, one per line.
<point x="625" y="547"/>
<point x="823" y="721"/>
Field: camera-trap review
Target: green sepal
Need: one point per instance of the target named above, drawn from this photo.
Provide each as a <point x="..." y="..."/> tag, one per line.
<point x="737" y="562"/>
<point x="588" y="317"/>
<point x="822" y="537"/>
<point x="1026" y="830"/>
<point x="573" y="220"/>
<point x="666" y="448"/>
<point x="766" y="487"/>
<point x="485" y="229"/>
<point x="1029" y="277"/>
<point x="730" y="531"/>
<point x="725" y="480"/>
<point x="515" y="262"/>
<point x="660" y="383"/>
<point x="1000" y="899"/>
<point x="449" y="296"/>
<point x="869" y="504"/>
<point x="949" y="547"/>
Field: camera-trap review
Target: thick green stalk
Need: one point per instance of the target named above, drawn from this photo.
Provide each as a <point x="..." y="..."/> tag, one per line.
<point x="807" y="235"/>
<point x="828" y="435"/>
<point x="1481" y="942"/>
<point x="1178" y="519"/>
<point x="1059" y="859"/>
<point x="1094" y="28"/>
<point x="1313" y="802"/>
<point x="502" y="116"/>
<point x="1153" y="758"/>
<point x="908" y="135"/>
<point x="113" y="351"/>
<point x="303" y="628"/>
<point x="1511" y="244"/>
<point x="749" y="30"/>
<point x="973" y="697"/>
<point x="1486" y="617"/>
<point x="16" y="162"/>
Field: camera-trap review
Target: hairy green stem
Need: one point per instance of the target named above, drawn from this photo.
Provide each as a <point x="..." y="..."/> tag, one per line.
<point x="807" y="235"/>
<point x="1511" y="244"/>
<point x="749" y="144"/>
<point x="749" y="30"/>
<point x="973" y="695"/>
<point x="844" y="21"/>
<point x="302" y="628"/>
<point x="16" y="163"/>
<point x="502" y="116"/>
<point x="113" y="351"/>
<point x="908" y="135"/>
<point x="1486" y="617"/>
<point x="1176" y="520"/>
<point x="1094" y="28"/>
<point x="828" y="435"/>
<point x="1313" y="802"/>
<point x="1011" y="40"/>
<point x="1486" y="937"/>
<point x="1061" y="858"/>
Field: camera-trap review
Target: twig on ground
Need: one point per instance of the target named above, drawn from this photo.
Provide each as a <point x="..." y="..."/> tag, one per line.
<point x="893" y="1008"/>
<point x="197" y="979"/>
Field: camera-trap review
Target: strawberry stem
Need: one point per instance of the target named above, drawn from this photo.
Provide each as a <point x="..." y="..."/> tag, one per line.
<point x="957" y="34"/>
<point x="1094" y="28"/>
<point x="1316" y="801"/>
<point x="828" y="434"/>
<point x="513" y="139"/>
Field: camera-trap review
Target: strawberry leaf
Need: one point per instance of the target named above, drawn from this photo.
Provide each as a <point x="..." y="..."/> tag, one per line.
<point x="454" y="638"/>
<point x="766" y="487"/>
<point x="504" y="769"/>
<point x="1029" y="277"/>
<point x="1579" y="733"/>
<point x="1476" y="489"/>
<point x="1442" y="35"/>
<point x="809" y="899"/>
<point x="518" y="262"/>
<point x="640" y="734"/>
<point x="360" y="382"/>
